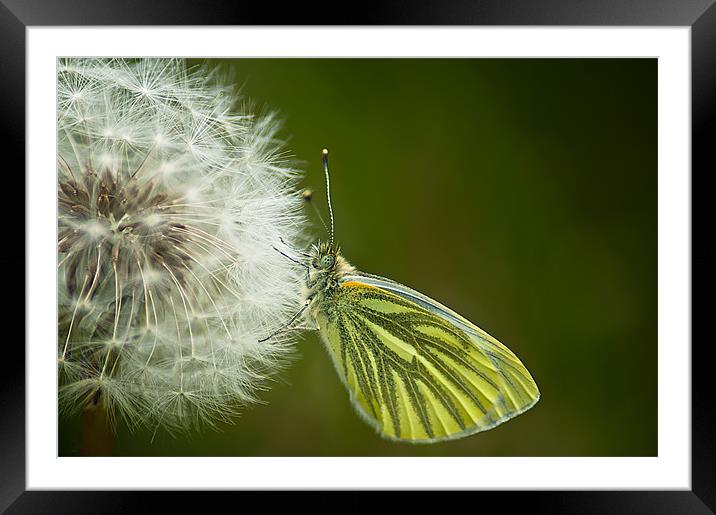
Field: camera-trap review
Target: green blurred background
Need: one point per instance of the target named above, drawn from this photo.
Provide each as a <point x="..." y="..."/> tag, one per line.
<point x="520" y="192"/>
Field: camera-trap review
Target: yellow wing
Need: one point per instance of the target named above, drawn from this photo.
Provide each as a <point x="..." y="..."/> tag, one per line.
<point x="416" y="370"/>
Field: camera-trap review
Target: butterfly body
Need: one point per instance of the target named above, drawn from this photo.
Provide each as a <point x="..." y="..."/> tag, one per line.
<point x="415" y="370"/>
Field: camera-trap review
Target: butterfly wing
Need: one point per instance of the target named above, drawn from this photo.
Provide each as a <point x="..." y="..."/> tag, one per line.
<point x="415" y="369"/>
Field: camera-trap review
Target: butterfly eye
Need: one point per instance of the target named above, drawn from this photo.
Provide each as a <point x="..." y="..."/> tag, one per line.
<point x="327" y="261"/>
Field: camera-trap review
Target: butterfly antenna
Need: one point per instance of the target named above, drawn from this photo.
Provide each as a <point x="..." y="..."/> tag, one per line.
<point x="328" y="191"/>
<point x="308" y="197"/>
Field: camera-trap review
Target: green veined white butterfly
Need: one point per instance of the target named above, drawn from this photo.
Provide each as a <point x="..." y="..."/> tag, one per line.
<point x="415" y="370"/>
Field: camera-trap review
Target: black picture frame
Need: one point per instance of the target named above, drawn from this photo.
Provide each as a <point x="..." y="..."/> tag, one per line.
<point x="700" y="15"/>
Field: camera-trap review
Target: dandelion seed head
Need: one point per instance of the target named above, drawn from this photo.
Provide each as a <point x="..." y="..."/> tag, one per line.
<point x="170" y="202"/>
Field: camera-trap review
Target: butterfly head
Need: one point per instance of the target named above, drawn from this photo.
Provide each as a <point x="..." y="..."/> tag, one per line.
<point x="325" y="258"/>
<point x="327" y="266"/>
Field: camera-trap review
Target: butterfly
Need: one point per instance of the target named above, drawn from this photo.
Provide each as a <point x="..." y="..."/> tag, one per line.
<point x="414" y="369"/>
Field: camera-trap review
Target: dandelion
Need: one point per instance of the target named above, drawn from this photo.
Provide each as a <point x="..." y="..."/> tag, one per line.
<point x="170" y="204"/>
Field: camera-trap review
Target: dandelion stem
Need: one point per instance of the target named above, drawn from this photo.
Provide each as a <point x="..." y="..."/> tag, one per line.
<point x="96" y="438"/>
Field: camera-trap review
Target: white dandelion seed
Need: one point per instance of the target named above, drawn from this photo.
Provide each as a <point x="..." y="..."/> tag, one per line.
<point x="170" y="203"/>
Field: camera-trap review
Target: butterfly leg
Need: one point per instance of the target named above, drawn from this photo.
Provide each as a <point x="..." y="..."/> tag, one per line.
<point x="305" y="265"/>
<point x="299" y="252"/>
<point x="290" y="322"/>
<point x="290" y="258"/>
